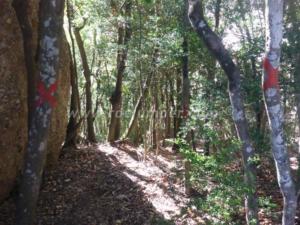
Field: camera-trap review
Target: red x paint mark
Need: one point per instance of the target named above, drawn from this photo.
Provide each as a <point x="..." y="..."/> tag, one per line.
<point x="272" y="75"/>
<point x="46" y="95"/>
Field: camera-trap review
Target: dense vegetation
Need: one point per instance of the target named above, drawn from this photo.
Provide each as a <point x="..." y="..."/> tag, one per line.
<point x="157" y="74"/>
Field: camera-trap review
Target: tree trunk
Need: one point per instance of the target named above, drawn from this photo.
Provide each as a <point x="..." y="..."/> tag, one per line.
<point x="217" y="14"/>
<point x="51" y="27"/>
<point x="177" y="105"/>
<point x="74" y="115"/>
<point x="143" y="95"/>
<point x="168" y="117"/>
<point x="154" y="116"/>
<point x="274" y="15"/>
<point x="74" y="121"/>
<point x="21" y="8"/>
<point x="124" y="36"/>
<point x="211" y="77"/>
<point x="91" y="137"/>
<point x="185" y="80"/>
<point x="70" y="14"/>
<point x="216" y="47"/>
<point x="185" y="101"/>
<point x="137" y="108"/>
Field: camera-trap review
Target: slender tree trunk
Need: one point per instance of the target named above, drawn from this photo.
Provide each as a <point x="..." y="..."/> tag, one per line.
<point x="258" y="107"/>
<point x="91" y="137"/>
<point x="274" y="15"/>
<point x="172" y="103"/>
<point x="217" y="13"/>
<point x="258" y="104"/>
<point x="154" y="117"/>
<point x="297" y="97"/>
<point x="124" y="36"/>
<point x="168" y="117"/>
<point x="177" y="105"/>
<point x="215" y="46"/>
<point x="185" y="80"/>
<point x="74" y="123"/>
<point x="143" y="95"/>
<point x="51" y="27"/>
<point x="185" y="101"/>
<point x="211" y="77"/>
<point x="292" y="17"/>
<point x="138" y="107"/>
<point x="21" y="8"/>
<point x="70" y="14"/>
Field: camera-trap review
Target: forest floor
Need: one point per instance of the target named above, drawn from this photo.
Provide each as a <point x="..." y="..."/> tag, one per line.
<point x="114" y="185"/>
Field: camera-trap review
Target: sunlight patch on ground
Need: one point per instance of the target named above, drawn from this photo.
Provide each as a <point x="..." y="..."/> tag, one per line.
<point x="156" y="177"/>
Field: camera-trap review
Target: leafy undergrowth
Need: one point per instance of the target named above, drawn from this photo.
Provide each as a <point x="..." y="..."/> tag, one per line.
<point x="113" y="185"/>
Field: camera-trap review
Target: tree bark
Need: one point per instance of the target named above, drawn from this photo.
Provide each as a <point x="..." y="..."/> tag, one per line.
<point x="74" y="116"/>
<point x="217" y="13"/>
<point x="73" y="124"/>
<point x="216" y="47"/>
<point x="176" y="102"/>
<point x="91" y="137"/>
<point x="211" y="77"/>
<point x="124" y="36"/>
<point x="143" y="95"/>
<point x="185" y="80"/>
<point x="274" y="15"/>
<point x="51" y="27"/>
<point x="185" y="101"/>
<point x="21" y="8"/>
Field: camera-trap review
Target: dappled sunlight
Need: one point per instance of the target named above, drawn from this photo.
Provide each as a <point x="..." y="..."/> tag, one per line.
<point x="159" y="177"/>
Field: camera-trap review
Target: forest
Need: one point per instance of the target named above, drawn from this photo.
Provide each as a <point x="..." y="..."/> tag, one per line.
<point x="149" y="112"/>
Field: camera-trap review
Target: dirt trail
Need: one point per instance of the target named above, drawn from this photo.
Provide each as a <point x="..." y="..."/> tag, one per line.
<point x="105" y="185"/>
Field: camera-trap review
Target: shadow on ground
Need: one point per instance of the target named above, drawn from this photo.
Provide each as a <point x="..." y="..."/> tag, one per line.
<point x="88" y="189"/>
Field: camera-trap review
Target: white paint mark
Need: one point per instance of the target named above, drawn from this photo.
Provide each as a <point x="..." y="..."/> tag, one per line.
<point x="48" y="43"/>
<point x="202" y="24"/>
<point x="273" y="56"/>
<point x="49" y="111"/>
<point x="238" y="115"/>
<point x="279" y="139"/>
<point x="52" y="80"/>
<point x="45" y="119"/>
<point x="289" y="183"/>
<point x="275" y="109"/>
<point x="249" y="149"/>
<point x="42" y="147"/>
<point x="53" y="3"/>
<point x="47" y="22"/>
<point x="271" y="92"/>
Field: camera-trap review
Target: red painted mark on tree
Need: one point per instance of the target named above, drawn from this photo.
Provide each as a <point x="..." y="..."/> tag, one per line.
<point x="271" y="79"/>
<point x="46" y="95"/>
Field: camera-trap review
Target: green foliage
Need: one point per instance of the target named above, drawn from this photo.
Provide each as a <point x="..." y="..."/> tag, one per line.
<point x="267" y="203"/>
<point x="161" y="25"/>
<point x="214" y="176"/>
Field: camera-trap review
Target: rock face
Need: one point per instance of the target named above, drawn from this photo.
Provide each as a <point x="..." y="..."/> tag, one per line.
<point x="60" y="113"/>
<point x="14" y="96"/>
<point x="13" y="99"/>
